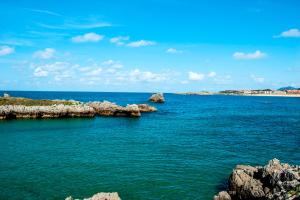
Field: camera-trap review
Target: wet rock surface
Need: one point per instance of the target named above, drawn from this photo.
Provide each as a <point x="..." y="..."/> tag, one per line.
<point x="157" y="98"/>
<point x="100" y="196"/>
<point x="275" y="181"/>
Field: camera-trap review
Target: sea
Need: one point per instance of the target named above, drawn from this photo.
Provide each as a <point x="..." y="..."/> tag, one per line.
<point x="186" y="150"/>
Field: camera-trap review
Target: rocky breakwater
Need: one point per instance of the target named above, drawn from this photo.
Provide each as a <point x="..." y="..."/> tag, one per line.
<point x="275" y="181"/>
<point x="157" y="98"/>
<point x="107" y="108"/>
<point x="100" y="196"/>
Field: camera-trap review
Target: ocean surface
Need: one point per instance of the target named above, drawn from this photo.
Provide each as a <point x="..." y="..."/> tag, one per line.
<point x="186" y="150"/>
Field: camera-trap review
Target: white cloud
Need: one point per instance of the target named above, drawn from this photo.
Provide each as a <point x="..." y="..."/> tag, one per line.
<point x="5" y="50"/>
<point x="94" y="72"/>
<point x="88" y="37"/>
<point x="211" y="74"/>
<point x="146" y="76"/>
<point x="58" y="70"/>
<point x="45" y="54"/>
<point x="120" y="40"/>
<point x="141" y="43"/>
<point x="173" y="51"/>
<point x="39" y="72"/>
<point x="194" y="76"/>
<point x="292" y="33"/>
<point x="249" y="56"/>
<point x="257" y="79"/>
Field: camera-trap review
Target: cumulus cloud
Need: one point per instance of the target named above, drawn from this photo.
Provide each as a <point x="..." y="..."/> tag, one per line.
<point x="120" y="40"/>
<point x="257" y="79"/>
<point x="141" y="43"/>
<point x="58" y="70"/>
<point x="88" y="37"/>
<point x="249" y="56"/>
<point x="93" y="72"/>
<point x="137" y="75"/>
<point x="211" y="74"/>
<point x="44" y="54"/>
<point x="292" y="33"/>
<point x="194" y="76"/>
<point x="5" y="50"/>
<point x="40" y="72"/>
<point x="173" y="51"/>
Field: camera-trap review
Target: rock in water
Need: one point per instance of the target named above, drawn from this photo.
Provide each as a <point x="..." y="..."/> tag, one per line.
<point x="107" y="108"/>
<point x="100" y="196"/>
<point x="146" y="108"/>
<point x="222" y="196"/>
<point x="157" y="98"/>
<point x="275" y="181"/>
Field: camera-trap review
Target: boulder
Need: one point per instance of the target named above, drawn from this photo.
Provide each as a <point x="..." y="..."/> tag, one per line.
<point x="146" y="108"/>
<point x="222" y="196"/>
<point x="157" y="98"/>
<point x="100" y="196"/>
<point x="275" y="181"/>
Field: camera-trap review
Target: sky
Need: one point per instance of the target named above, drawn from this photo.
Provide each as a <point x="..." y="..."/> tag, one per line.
<point x="149" y="45"/>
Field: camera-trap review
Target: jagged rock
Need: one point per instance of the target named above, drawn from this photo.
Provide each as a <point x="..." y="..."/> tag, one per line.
<point x="101" y="196"/>
<point x="275" y="181"/>
<point x="107" y="108"/>
<point x="157" y="98"/>
<point x="53" y="111"/>
<point x="146" y="108"/>
<point x="222" y="196"/>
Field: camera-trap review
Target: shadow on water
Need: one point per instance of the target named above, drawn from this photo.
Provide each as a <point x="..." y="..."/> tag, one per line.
<point x="222" y="185"/>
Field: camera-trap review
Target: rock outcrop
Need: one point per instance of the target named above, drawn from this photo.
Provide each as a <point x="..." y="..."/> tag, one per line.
<point x="53" y="111"/>
<point x="275" y="181"/>
<point x="100" y="196"/>
<point x="16" y="108"/>
<point x="157" y="98"/>
<point x="107" y="108"/>
<point x="146" y="108"/>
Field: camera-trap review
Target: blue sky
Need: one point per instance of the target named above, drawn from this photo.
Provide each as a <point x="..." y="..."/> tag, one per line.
<point x="152" y="45"/>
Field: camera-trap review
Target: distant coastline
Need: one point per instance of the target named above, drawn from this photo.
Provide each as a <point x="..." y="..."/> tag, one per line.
<point x="282" y="92"/>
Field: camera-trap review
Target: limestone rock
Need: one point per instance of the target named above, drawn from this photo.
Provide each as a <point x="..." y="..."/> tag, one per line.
<point x="222" y="196"/>
<point x="146" y="108"/>
<point x="157" y="98"/>
<point x="275" y="181"/>
<point x="101" y="196"/>
<point x="107" y="108"/>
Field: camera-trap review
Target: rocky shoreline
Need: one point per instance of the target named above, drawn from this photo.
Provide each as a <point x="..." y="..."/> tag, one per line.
<point x="100" y="196"/>
<point x="66" y="109"/>
<point x="274" y="181"/>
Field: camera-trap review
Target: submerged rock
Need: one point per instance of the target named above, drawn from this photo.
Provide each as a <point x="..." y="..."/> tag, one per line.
<point x="146" y="108"/>
<point x="157" y="98"/>
<point x="275" y="181"/>
<point x="100" y="196"/>
<point x="107" y="108"/>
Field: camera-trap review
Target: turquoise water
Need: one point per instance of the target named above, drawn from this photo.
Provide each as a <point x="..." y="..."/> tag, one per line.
<point x="185" y="151"/>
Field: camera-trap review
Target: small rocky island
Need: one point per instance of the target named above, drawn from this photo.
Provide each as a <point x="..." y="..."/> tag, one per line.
<point x="18" y="108"/>
<point x="275" y="181"/>
<point x="157" y="98"/>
